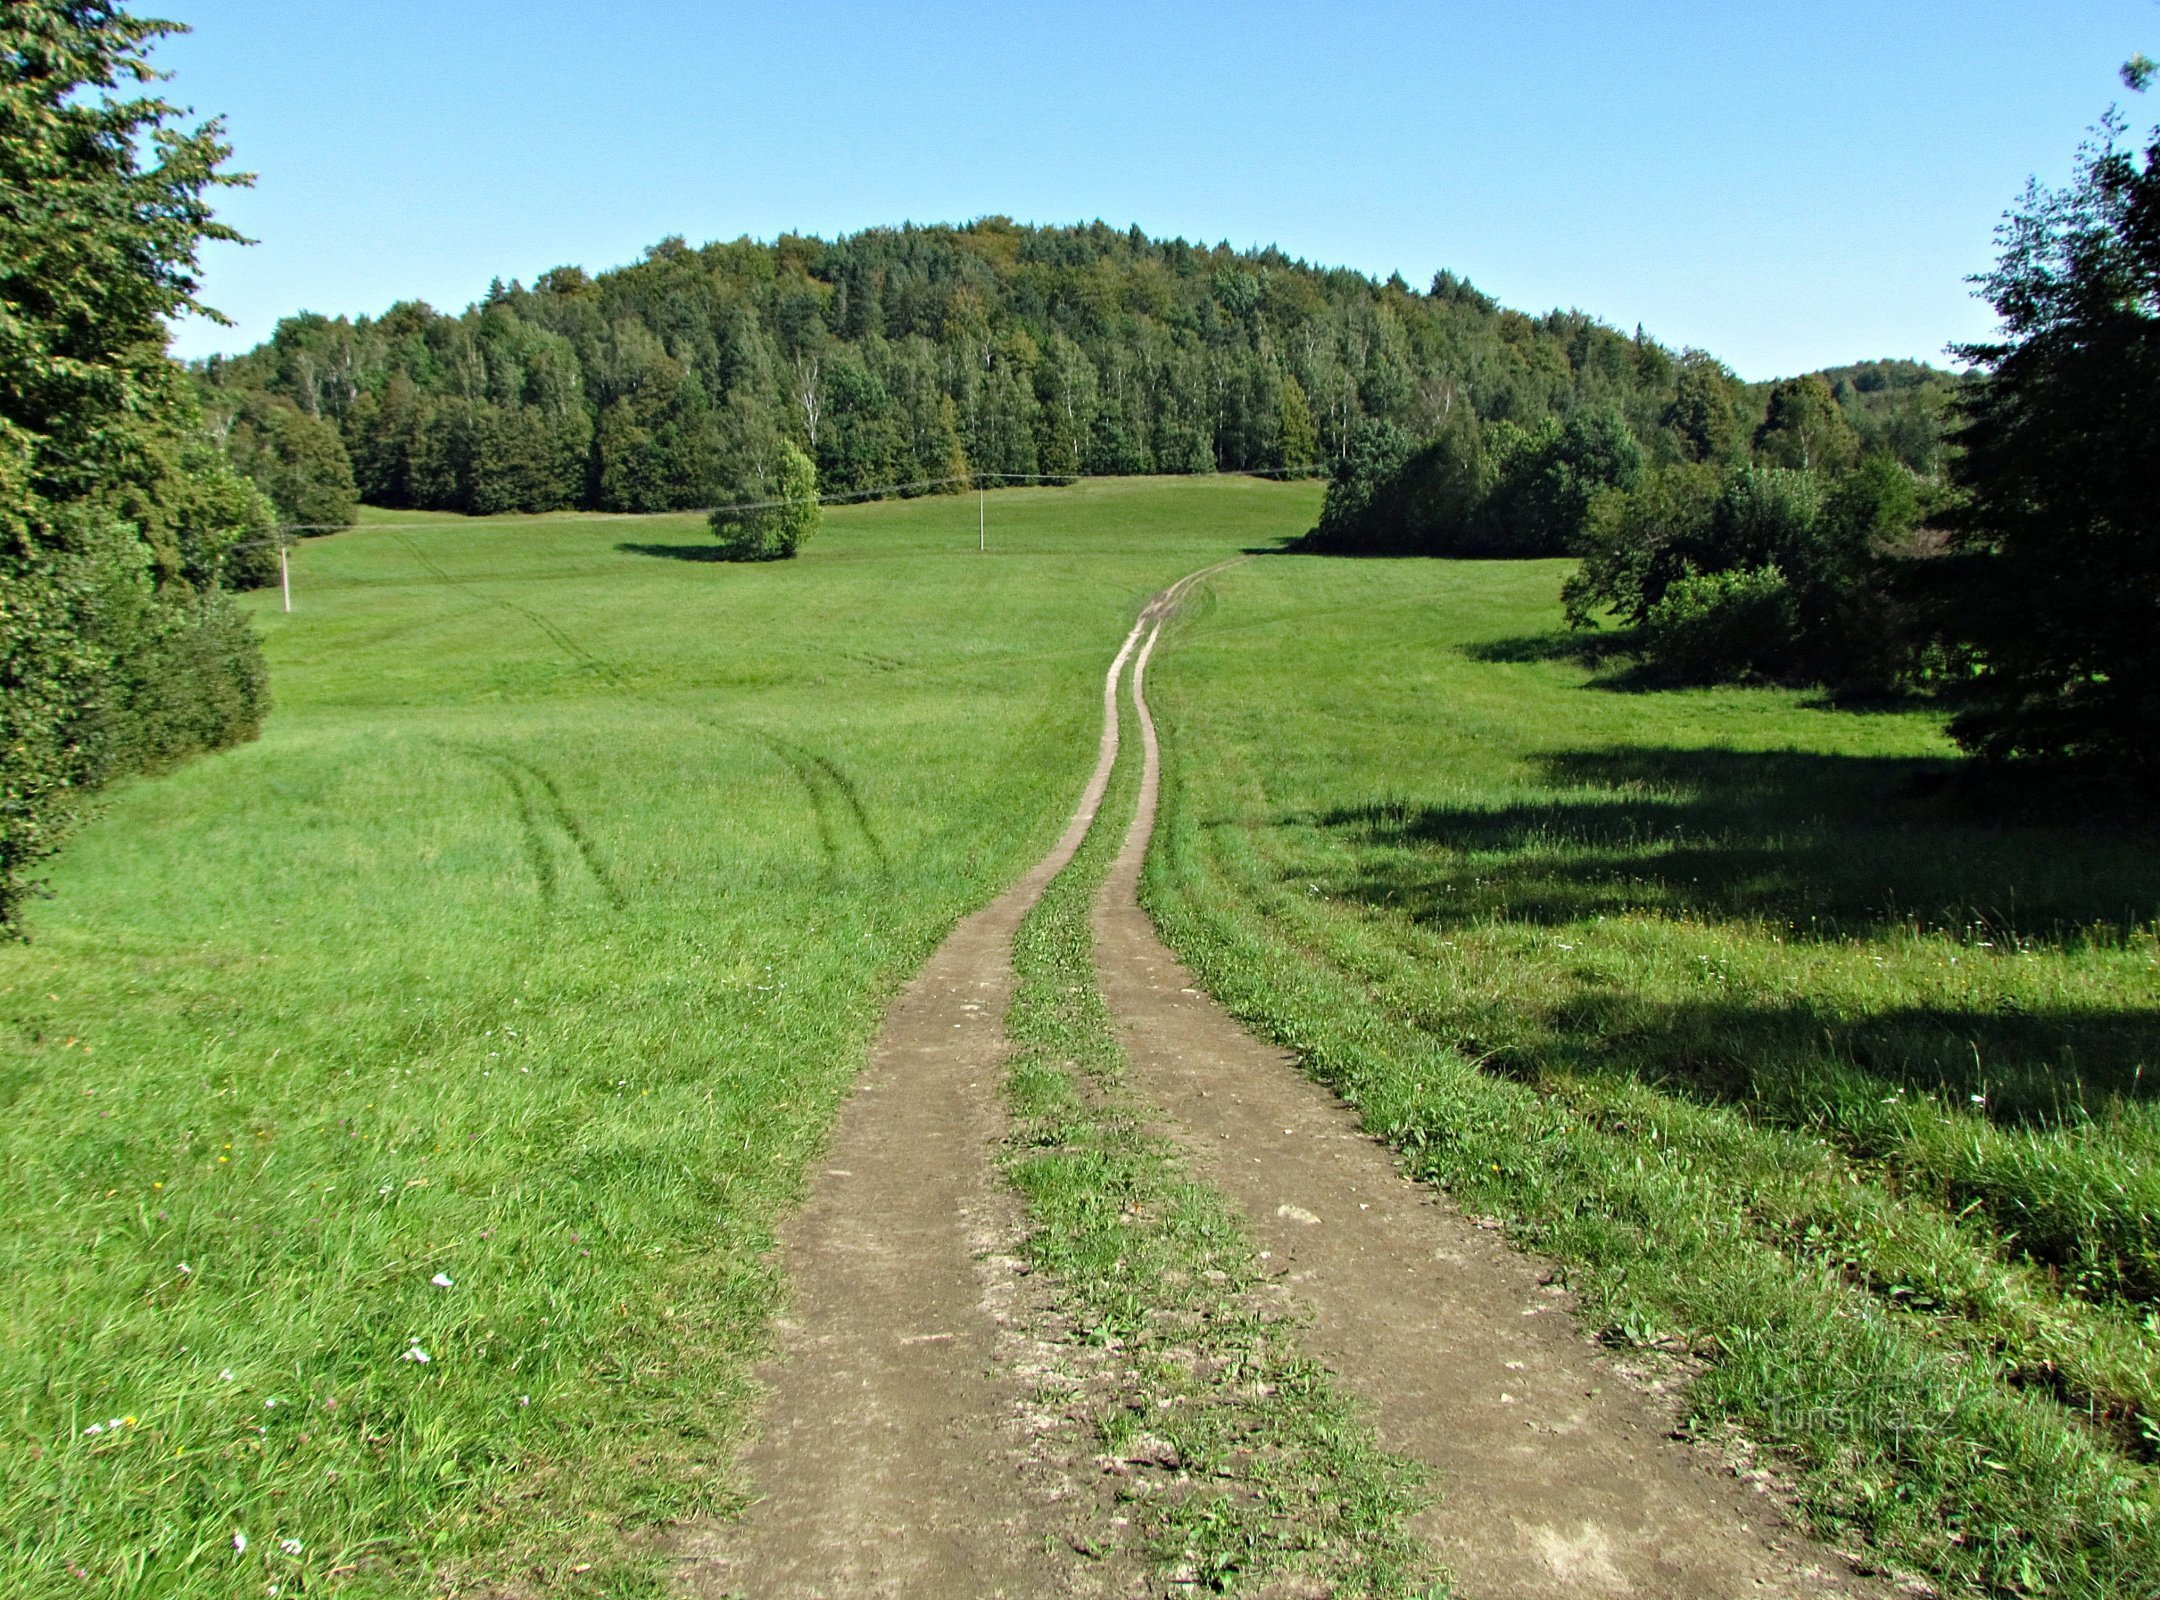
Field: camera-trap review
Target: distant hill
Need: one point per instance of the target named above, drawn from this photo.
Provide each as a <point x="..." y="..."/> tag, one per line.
<point x="925" y="355"/>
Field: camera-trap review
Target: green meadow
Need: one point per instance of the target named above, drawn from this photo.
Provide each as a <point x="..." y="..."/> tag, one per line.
<point x="398" y="1108"/>
<point x="1818" y="1073"/>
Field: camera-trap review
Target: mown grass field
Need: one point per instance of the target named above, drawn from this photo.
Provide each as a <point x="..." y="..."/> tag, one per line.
<point x="1810" y="1070"/>
<point x="398" y="1108"/>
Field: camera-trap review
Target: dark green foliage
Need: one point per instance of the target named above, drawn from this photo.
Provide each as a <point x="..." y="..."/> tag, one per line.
<point x="297" y="460"/>
<point x="1361" y="509"/>
<point x="1767" y="572"/>
<point x="924" y="356"/>
<point x="1706" y="408"/>
<point x="1805" y="429"/>
<point x="1639" y="542"/>
<point x="189" y="680"/>
<point x="778" y="511"/>
<point x="1543" y="483"/>
<point x="118" y="519"/>
<point x="1710" y="625"/>
<point x="1505" y="490"/>
<point x="1898" y="408"/>
<point x="2054" y="590"/>
<point x="1298" y="441"/>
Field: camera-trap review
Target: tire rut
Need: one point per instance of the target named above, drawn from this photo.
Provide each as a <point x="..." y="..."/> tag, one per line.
<point x="825" y="783"/>
<point x="540" y="803"/>
<point x="893" y="1455"/>
<point x="1556" y="1476"/>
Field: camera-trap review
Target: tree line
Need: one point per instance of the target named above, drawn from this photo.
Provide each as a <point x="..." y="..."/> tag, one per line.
<point x="914" y="355"/>
<point x="1992" y="540"/>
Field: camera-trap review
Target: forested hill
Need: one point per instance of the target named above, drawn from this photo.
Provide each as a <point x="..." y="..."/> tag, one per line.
<point x="933" y="353"/>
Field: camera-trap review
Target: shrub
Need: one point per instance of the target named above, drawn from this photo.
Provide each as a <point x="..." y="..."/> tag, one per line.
<point x="1541" y="486"/>
<point x="1353" y="515"/>
<point x="1834" y="548"/>
<point x="118" y="519"/>
<point x="1713" y="625"/>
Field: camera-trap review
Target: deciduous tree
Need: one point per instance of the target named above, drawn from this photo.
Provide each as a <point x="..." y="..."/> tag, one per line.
<point x="117" y="650"/>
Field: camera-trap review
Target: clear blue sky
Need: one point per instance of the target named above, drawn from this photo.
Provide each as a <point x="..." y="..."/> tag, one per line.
<point x="1787" y="186"/>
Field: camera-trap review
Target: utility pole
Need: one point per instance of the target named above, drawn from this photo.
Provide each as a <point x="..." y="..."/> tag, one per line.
<point x="982" y="519"/>
<point x="284" y="572"/>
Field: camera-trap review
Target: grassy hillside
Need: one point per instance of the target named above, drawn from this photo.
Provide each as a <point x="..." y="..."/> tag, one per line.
<point x="397" y="1108"/>
<point x="1833" y="1081"/>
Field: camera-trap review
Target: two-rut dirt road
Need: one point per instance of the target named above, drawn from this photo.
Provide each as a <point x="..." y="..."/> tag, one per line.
<point x="894" y="1459"/>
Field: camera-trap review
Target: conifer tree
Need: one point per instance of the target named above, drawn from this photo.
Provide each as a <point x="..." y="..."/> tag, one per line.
<point x="2055" y="590"/>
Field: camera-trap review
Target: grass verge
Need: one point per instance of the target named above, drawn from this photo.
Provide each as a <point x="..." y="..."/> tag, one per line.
<point x="1239" y="1460"/>
<point x="1795" y="1065"/>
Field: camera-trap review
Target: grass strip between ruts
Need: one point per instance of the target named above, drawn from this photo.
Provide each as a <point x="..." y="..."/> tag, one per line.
<point x="1241" y="1459"/>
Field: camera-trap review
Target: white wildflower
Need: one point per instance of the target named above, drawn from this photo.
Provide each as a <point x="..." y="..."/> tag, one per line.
<point x="239" y="1543"/>
<point x="291" y="1547"/>
<point x="441" y="1280"/>
<point x="415" y="1354"/>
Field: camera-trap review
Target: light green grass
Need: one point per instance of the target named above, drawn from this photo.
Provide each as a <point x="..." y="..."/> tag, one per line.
<point x="530" y="947"/>
<point x="1837" y="1080"/>
<point x="1255" y="1466"/>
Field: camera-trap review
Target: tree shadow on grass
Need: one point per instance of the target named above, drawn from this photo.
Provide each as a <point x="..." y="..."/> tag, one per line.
<point x="2038" y="1066"/>
<point x="674" y="552"/>
<point x="1829" y="846"/>
<point x="2072" y="1083"/>
<point x="1613" y="655"/>
<point x="1792" y="848"/>
<point x="1584" y="649"/>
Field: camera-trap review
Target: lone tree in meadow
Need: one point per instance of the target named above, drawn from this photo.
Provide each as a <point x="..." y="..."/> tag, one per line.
<point x="2055" y="585"/>
<point x="778" y="511"/>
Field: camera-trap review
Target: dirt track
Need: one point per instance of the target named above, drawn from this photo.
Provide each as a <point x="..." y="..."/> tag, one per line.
<point x="892" y="1460"/>
<point x="1556" y="1477"/>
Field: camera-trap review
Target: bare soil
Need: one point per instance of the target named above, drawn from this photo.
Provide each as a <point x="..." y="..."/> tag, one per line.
<point x="1557" y="1475"/>
<point x="900" y="1452"/>
<point x="907" y="1445"/>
